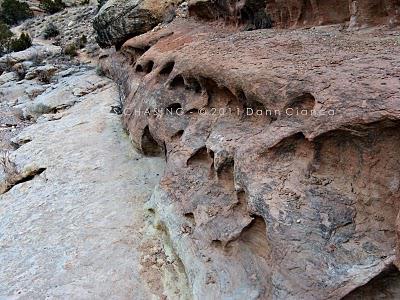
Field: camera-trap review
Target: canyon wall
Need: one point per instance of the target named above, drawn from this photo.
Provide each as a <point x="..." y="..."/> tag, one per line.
<point x="117" y="21"/>
<point x="299" y="13"/>
<point x="282" y="146"/>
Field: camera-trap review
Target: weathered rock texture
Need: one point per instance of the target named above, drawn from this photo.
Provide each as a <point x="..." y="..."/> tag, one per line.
<point x="73" y="23"/>
<point x="281" y="205"/>
<point x="299" y="13"/>
<point x="118" y="20"/>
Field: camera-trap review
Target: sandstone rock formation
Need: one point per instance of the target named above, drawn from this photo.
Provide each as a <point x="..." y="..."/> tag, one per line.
<point x="297" y="200"/>
<point x="273" y="155"/>
<point x="299" y="13"/>
<point x="118" y="21"/>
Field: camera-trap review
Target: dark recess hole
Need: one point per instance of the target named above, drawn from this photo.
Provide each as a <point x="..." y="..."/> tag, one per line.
<point x="178" y="135"/>
<point x="178" y="81"/>
<point x="305" y="101"/>
<point x="139" y="68"/>
<point x="167" y="69"/>
<point x="194" y="85"/>
<point x="242" y="202"/>
<point x="226" y="171"/>
<point x="149" y="145"/>
<point x="119" y="44"/>
<point x="211" y="153"/>
<point x="384" y="286"/>
<point x="190" y="217"/>
<point x="173" y="108"/>
<point x="217" y="243"/>
<point x="241" y="97"/>
<point x="149" y="66"/>
<point x="287" y="147"/>
<point x="200" y="158"/>
<point x="28" y="177"/>
<point x="254" y="236"/>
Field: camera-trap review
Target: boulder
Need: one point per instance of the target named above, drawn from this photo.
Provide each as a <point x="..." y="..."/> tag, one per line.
<point x="34" y="53"/>
<point x="8" y="77"/>
<point x="119" y="20"/>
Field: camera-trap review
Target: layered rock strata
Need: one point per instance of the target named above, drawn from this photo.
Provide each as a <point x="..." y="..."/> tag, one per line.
<point x="118" y="21"/>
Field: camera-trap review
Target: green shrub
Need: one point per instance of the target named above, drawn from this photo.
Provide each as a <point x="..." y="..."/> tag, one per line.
<point x="52" y="6"/>
<point x="82" y="41"/>
<point x="100" y="71"/>
<point x="71" y="50"/>
<point x="13" y="11"/>
<point x="5" y="32"/>
<point x="50" y="31"/>
<point x="5" y="35"/>
<point x="23" y="42"/>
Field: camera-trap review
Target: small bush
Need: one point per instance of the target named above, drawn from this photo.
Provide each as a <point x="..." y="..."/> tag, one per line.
<point x="23" y="42"/>
<point x="82" y="41"/>
<point x="52" y="6"/>
<point x="5" y="35"/>
<point x="100" y="71"/>
<point x="50" y="31"/>
<point x="5" y="32"/>
<point x="13" y="11"/>
<point x="71" y="50"/>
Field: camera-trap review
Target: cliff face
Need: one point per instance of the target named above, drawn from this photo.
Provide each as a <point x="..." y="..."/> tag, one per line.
<point x="359" y="13"/>
<point x="282" y="177"/>
<point x="117" y="21"/>
<point x="298" y="13"/>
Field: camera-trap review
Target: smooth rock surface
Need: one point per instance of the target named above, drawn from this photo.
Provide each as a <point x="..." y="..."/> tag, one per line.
<point x="73" y="228"/>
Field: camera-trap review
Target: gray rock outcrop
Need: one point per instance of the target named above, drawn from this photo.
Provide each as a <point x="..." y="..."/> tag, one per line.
<point x="72" y="213"/>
